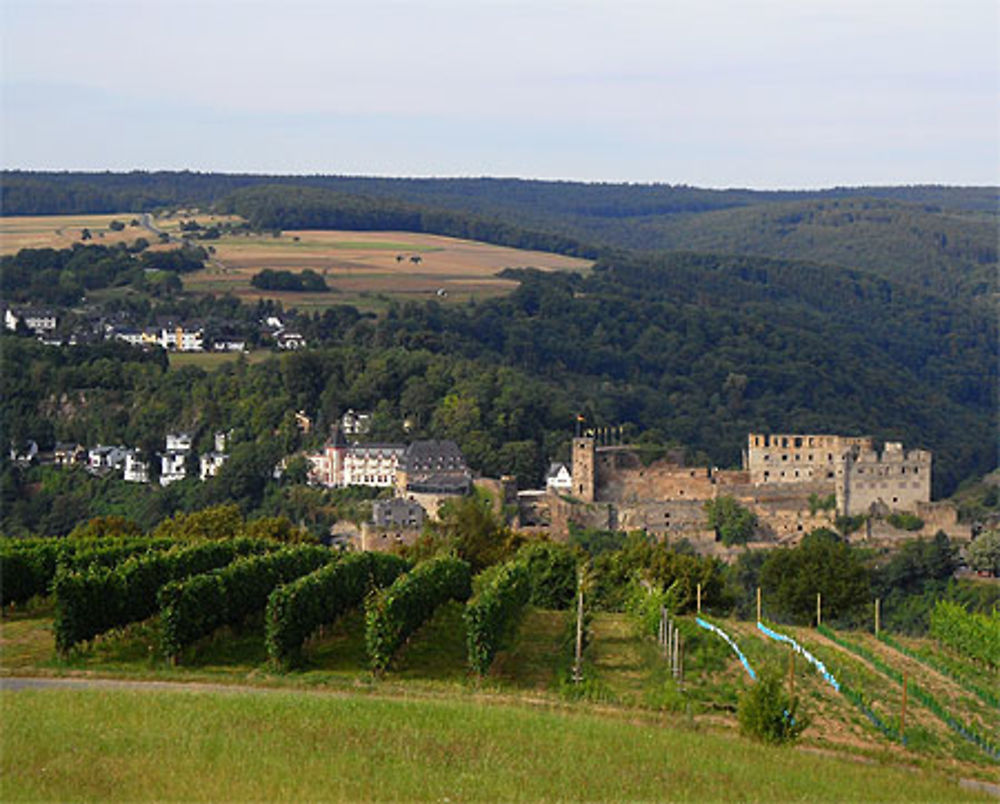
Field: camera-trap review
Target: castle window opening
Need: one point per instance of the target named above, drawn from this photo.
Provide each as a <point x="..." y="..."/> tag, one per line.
<point x="829" y="474"/>
<point x="811" y="439"/>
<point x="895" y="499"/>
<point x="784" y="457"/>
<point x="767" y="457"/>
<point x="766" y="474"/>
<point x="784" y="441"/>
<point x="829" y="457"/>
<point x="798" y="442"/>
<point x="798" y="457"/>
<point x="916" y="470"/>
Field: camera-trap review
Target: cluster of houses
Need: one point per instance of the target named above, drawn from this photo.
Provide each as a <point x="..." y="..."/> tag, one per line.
<point x="130" y="462"/>
<point x="169" y="334"/>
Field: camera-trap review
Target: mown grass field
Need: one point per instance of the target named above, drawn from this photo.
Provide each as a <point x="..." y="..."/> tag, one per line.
<point x="253" y="745"/>
<point x="499" y="731"/>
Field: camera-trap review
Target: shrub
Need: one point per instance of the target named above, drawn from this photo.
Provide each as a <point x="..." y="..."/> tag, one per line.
<point x="905" y="521"/>
<point x="768" y="714"/>
<point x="392" y="614"/>
<point x="296" y="609"/>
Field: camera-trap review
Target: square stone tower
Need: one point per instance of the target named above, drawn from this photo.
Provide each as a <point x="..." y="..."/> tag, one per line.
<point x="583" y="469"/>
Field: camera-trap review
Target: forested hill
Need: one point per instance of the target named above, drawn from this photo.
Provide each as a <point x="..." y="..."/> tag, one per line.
<point x="942" y="239"/>
<point x="706" y="349"/>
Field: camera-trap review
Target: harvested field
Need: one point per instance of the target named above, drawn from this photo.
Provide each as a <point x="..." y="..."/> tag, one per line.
<point x="62" y="231"/>
<point x="361" y="267"/>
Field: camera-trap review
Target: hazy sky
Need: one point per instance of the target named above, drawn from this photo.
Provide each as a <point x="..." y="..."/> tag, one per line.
<point x="786" y="93"/>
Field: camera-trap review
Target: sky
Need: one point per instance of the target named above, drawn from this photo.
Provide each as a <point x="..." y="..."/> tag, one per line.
<point x="713" y="93"/>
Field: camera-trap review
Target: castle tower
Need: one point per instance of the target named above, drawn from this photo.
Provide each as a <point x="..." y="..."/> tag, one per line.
<point x="583" y="469"/>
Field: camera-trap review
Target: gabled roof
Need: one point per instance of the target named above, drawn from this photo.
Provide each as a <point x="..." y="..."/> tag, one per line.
<point x="555" y="469"/>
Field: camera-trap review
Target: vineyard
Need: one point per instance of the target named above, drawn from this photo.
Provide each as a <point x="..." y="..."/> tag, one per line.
<point x="249" y="610"/>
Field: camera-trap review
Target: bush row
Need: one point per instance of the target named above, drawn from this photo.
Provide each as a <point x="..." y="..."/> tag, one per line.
<point x="196" y="606"/>
<point x="94" y="600"/>
<point x="986" y="696"/>
<point x="29" y="565"/>
<point x="296" y="609"/>
<point x="974" y="635"/>
<point x="495" y="607"/>
<point x="392" y="614"/>
<point x="967" y="731"/>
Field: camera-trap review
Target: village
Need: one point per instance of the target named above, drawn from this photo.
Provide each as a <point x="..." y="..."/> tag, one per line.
<point x="791" y="483"/>
<point x="49" y="327"/>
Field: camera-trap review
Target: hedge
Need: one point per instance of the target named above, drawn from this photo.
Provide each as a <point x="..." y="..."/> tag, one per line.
<point x="29" y="565"/>
<point x="194" y="607"/>
<point x="491" y="612"/>
<point x="392" y="614"/>
<point x="295" y="610"/>
<point x="94" y="600"/>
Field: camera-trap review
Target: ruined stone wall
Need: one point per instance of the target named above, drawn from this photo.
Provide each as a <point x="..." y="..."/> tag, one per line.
<point x="797" y="458"/>
<point x="622" y="478"/>
<point x="386" y="539"/>
<point x="672" y="517"/>
<point x="894" y="479"/>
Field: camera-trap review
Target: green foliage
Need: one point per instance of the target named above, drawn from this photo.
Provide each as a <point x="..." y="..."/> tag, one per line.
<point x="847" y="525"/>
<point x="95" y="600"/>
<point x="660" y="565"/>
<point x="104" y="527"/>
<point x="817" y="503"/>
<point x="984" y="552"/>
<point x="733" y="523"/>
<point x="307" y="281"/>
<point x="295" y="610"/>
<point x="470" y="528"/>
<point x="971" y="634"/>
<point x="645" y="603"/>
<point x="552" y="574"/>
<point x="491" y="613"/>
<point x="392" y="614"/>
<point x="29" y="565"/>
<point x="913" y="579"/>
<point x="217" y="522"/>
<point x="905" y="521"/>
<point x="767" y="713"/>
<point x="791" y="577"/>
<point x="194" y="607"/>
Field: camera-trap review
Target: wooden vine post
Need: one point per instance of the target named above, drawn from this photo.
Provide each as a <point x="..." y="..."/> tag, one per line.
<point x="877" y="606"/>
<point x="758" y="604"/>
<point x="902" y="714"/>
<point x="577" y="666"/>
<point x="819" y="609"/>
<point x="699" y="598"/>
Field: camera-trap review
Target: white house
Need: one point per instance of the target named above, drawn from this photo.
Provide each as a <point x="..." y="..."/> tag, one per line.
<point x="103" y="459"/>
<point x="136" y="469"/>
<point x="178" y="442"/>
<point x="172" y="467"/>
<point x="182" y="338"/>
<point x="290" y="340"/>
<point x="210" y="463"/>
<point x="38" y="321"/>
<point x="354" y="424"/>
<point x="558" y="479"/>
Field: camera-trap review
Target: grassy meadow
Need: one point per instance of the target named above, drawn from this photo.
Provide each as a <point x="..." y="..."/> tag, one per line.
<point x="101" y="744"/>
<point x="427" y="729"/>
